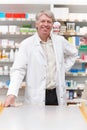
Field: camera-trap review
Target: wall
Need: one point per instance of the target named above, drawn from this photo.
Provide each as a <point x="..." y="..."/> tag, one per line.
<point x="44" y="2"/>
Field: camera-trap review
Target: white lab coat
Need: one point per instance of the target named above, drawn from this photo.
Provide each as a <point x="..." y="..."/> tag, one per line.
<point x="31" y="61"/>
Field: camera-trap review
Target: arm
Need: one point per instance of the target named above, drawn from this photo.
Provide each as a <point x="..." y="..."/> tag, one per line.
<point x="10" y="101"/>
<point x="71" y="54"/>
<point x="16" y="76"/>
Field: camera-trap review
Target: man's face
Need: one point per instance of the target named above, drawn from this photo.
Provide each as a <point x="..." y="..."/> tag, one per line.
<point x="44" y="25"/>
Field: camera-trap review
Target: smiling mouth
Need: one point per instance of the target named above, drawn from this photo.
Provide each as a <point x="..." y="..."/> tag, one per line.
<point x="45" y="29"/>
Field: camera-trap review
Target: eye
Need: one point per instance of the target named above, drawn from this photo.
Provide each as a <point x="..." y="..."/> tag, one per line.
<point x="43" y="21"/>
<point x="49" y="22"/>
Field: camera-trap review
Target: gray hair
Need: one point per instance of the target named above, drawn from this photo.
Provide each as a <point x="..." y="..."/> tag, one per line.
<point x="46" y="12"/>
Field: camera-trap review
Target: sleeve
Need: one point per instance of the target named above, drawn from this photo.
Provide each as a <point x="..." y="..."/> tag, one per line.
<point x="70" y="53"/>
<point x="18" y="71"/>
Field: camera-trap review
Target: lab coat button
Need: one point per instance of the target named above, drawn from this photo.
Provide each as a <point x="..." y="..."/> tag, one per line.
<point x="44" y="77"/>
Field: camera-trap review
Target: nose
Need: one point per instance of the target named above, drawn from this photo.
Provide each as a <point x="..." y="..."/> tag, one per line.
<point x="45" y="23"/>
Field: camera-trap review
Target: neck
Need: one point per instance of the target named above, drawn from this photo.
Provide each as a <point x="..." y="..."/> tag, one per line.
<point x="44" y="38"/>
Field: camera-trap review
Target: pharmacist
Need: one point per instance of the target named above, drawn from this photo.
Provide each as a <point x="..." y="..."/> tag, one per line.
<point x="43" y="58"/>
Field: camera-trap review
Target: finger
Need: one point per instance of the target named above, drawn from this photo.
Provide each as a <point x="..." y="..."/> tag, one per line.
<point x="6" y="104"/>
<point x="10" y="105"/>
<point x="18" y="104"/>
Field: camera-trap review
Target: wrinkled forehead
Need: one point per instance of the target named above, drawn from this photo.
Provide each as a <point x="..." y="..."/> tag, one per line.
<point x="48" y="14"/>
<point x="44" y="16"/>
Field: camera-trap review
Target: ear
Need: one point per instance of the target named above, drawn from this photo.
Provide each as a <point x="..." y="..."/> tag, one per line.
<point x="36" y="25"/>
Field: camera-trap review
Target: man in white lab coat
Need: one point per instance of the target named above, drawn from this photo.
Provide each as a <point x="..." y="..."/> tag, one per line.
<point x="43" y="58"/>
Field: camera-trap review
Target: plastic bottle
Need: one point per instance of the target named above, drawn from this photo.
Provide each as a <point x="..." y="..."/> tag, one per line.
<point x="11" y="55"/>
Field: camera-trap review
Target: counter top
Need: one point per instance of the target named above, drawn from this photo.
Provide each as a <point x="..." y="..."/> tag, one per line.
<point x="28" y="117"/>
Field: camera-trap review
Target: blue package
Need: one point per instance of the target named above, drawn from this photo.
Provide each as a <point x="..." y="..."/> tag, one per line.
<point x="2" y="15"/>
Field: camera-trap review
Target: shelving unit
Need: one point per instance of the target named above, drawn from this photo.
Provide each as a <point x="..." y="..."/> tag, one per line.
<point x="68" y="14"/>
<point x="15" y="36"/>
<point x="73" y="20"/>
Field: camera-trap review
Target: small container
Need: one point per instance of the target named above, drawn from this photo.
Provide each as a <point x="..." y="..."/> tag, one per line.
<point x="5" y="70"/>
<point x="56" y="27"/>
<point x="71" y="94"/>
<point x="77" y="29"/>
<point x="11" y="56"/>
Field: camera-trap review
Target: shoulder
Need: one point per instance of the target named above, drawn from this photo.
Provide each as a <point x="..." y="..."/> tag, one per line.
<point x="56" y="36"/>
<point x="27" y="43"/>
<point x="27" y="40"/>
<point x="58" y="39"/>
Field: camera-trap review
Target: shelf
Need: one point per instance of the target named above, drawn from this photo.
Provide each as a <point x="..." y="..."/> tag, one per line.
<point x="73" y="34"/>
<point x="4" y="86"/>
<point x="74" y="88"/>
<point x="81" y="61"/>
<point x="76" y="74"/>
<point x="6" y="61"/>
<point x="17" y="34"/>
<point x="71" y="20"/>
<point x="3" y="92"/>
<point x="5" y="74"/>
<point x="16" y="20"/>
<point x="74" y="101"/>
<point x="83" y="48"/>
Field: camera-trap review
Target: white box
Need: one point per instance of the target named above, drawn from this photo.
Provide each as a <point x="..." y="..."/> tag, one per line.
<point x="61" y="13"/>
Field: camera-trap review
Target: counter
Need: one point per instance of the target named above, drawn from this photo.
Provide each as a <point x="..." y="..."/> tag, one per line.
<point x="28" y="117"/>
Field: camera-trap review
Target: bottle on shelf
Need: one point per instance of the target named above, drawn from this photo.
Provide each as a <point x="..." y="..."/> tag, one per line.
<point x="11" y="55"/>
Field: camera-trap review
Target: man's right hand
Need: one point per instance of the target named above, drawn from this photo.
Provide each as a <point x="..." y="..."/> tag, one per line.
<point x="9" y="101"/>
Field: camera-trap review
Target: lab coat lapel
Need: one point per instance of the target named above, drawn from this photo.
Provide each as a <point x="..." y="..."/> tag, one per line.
<point x="56" y="50"/>
<point x="39" y="49"/>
